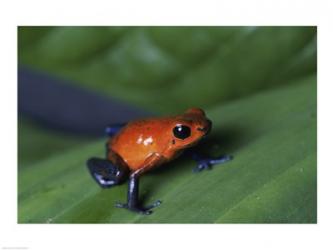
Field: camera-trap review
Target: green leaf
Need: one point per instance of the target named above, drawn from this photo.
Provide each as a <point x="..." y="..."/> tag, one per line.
<point x="272" y="179"/>
<point x="191" y="66"/>
<point x="36" y="143"/>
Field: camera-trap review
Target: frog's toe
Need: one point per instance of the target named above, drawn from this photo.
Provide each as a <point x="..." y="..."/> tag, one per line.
<point x="221" y="159"/>
<point x="141" y="210"/>
<point x="202" y="164"/>
<point x="121" y="205"/>
<point x="155" y="204"/>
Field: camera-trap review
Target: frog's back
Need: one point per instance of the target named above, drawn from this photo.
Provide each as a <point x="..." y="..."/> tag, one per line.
<point x="139" y="139"/>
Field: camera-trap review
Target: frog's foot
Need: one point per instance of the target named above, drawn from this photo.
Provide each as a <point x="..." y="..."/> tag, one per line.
<point x="141" y="210"/>
<point x="207" y="163"/>
<point x="105" y="173"/>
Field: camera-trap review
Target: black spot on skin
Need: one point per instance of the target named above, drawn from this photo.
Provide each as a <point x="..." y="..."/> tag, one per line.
<point x="173" y="141"/>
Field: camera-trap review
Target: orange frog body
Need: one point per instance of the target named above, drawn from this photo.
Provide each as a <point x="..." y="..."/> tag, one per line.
<point x="153" y="140"/>
<point x="145" y="144"/>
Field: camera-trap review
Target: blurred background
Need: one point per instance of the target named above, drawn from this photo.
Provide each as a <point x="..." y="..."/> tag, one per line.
<point x="73" y="81"/>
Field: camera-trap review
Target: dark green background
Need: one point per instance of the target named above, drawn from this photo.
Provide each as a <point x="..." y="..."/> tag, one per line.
<point x="257" y="84"/>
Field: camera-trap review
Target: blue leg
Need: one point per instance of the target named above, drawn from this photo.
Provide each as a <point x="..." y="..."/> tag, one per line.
<point x="133" y="198"/>
<point x="207" y="162"/>
<point x="113" y="129"/>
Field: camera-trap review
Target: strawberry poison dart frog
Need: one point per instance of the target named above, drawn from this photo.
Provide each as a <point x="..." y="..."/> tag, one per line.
<point x="141" y="145"/>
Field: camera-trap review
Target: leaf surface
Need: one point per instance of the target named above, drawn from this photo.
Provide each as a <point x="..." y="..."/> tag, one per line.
<point x="272" y="136"/>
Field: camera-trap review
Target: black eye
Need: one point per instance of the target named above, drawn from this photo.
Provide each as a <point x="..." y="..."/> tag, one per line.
<point x="181" y="131"/>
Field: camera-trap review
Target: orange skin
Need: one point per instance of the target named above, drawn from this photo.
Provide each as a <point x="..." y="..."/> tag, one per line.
<point x="144" y="144"/>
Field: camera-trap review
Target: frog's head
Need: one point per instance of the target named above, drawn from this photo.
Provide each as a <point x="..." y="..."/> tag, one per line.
<point x="190" y="127"/>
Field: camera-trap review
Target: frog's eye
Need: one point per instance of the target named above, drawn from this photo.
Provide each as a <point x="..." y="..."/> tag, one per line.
<point x="181" y="131"/>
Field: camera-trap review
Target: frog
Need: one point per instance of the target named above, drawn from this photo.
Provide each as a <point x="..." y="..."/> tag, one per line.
<point x="137" y="147"/>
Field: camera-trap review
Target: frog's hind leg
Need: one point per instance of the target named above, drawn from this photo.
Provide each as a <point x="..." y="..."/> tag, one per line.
<point x="105" y="173"/>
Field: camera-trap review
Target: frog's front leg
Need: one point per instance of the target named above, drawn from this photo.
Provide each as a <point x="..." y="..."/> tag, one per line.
<point x="133" y="203"/>
<point x="207" y="162"/>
